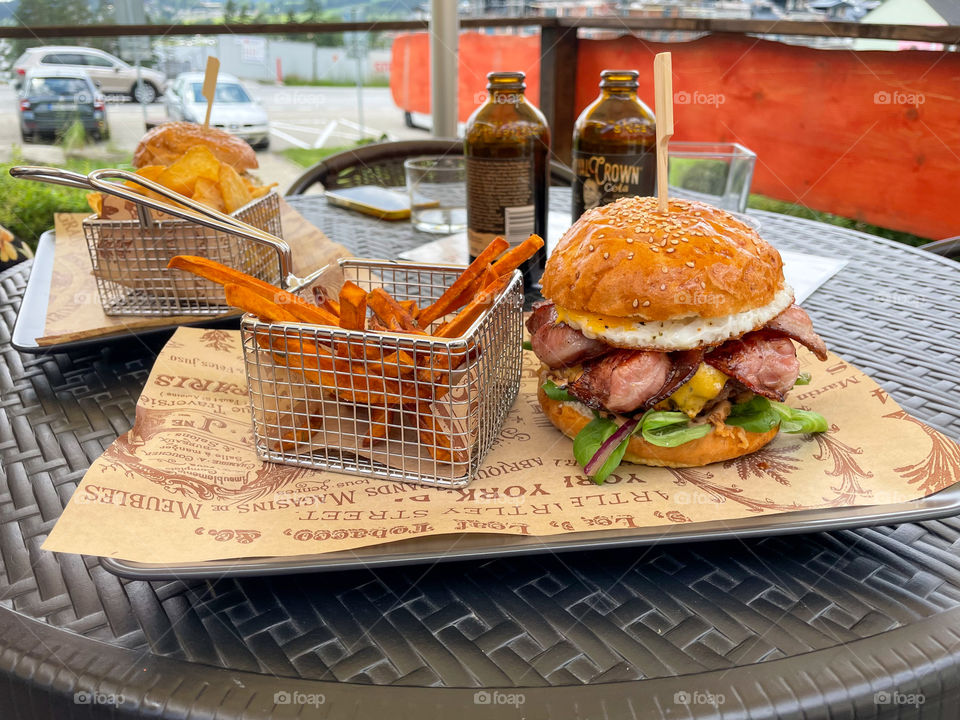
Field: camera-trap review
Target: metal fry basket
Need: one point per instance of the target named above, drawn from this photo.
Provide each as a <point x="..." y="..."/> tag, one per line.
<point x="129" y="257"/>
<point x="402" y="407"/>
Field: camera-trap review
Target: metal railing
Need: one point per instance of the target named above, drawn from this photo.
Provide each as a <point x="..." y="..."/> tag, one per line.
<point x="946" y="34"/>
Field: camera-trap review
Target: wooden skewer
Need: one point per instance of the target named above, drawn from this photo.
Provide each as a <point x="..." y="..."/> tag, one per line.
<point x="210" y="85"/>
<point x="663" y="84"/>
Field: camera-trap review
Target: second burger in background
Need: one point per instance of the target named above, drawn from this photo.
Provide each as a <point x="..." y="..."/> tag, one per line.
<point x="666" y="338"/>
<point x="165" y="143"/>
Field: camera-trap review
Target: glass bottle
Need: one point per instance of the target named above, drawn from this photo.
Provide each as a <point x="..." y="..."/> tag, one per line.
<point x="614" y="145"/>
<point x="507" y="146"/>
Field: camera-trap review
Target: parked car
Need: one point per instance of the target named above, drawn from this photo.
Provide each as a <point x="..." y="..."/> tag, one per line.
<point x="233" y="109"/>
<point x="52" y="99"/>
<point x="112" y="75"/>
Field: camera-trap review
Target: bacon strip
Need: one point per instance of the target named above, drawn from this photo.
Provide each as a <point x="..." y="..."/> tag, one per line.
<point x="558" y="344"/>
<point x="797" y="325"/>
<point x="684" y="364"/>
<point x="544" y="313"/>
<point x="762" y="361"/>
<point x="623" y="380"/>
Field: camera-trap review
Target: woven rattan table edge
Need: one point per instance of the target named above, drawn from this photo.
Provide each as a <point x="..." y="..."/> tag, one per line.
<point x="843" y="681"/>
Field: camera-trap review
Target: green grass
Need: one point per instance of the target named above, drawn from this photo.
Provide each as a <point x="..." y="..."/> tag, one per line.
<point x="308" y="157"/>
<point x="298" y="81"/>
<point x="761" y="202"/>
<point x="28" y="207"/>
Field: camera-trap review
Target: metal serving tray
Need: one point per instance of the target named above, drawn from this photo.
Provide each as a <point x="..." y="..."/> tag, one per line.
<point x="32" y="317"/>
<point x="475" y="546"/>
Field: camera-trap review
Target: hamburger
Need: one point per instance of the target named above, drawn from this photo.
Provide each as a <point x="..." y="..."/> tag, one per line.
<point x="668" y="338"/>
<point x="163" y="144"/>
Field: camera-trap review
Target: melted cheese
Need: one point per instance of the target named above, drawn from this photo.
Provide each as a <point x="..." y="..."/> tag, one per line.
<point x="695" y="393"/>
<point x="678" y="334"/>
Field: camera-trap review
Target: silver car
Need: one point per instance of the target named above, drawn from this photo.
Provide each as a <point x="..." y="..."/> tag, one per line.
<point x="233" y="109"/>
<point x="110" y="74"/>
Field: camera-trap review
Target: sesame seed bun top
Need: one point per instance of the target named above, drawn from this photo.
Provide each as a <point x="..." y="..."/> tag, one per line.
<point x="629" y="260"/>
<point x="166" y="142"/>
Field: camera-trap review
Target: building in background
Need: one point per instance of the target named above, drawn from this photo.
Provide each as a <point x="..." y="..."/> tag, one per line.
<point x="910" y="12"/>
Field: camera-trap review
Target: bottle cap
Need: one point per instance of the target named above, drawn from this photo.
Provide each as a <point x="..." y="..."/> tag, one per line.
<point x="506" y="81"/>
<point x="626" y="79"/>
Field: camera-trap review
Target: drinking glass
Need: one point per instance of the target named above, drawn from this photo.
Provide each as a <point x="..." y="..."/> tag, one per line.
<point x="717" y="173"/>
<point x="438" y="193"/>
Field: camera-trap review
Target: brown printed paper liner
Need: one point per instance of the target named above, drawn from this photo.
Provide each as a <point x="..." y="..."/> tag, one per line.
<point x="74" y="311"/>
<point x="185" y="485"/>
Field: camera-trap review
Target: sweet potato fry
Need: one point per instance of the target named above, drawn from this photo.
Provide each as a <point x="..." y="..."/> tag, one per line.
<point x="411" y="307"/>
<point x="487" y="276"/>
<point x="321" y="297"/>
<point x="466" y="317"/>
<point x="353" y="307"/>
<point x="437" y="440"/>
<point x="347" y="380"/>
<point x="391" y="313"/>
<point x="378" y="426"/>
<point x="396" y="365"/>
<point x="516" y="256"/>
<point x="446" y="302"/>
<point x="248" y="300"/>
<point x="308" y="422"/>
<point x="221" y="274"/>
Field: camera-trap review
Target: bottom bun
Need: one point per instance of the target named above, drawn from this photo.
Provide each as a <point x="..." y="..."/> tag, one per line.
<point x="723" y="443"/>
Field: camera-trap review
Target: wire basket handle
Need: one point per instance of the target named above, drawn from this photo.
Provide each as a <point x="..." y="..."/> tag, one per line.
<point x="192" y="212"/>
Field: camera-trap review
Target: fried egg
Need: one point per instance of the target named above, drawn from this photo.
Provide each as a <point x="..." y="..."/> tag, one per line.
<point x="678" y="334"/>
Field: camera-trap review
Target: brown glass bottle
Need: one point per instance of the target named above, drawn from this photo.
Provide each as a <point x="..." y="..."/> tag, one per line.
<point x="614" y="145"/>
<point x="507" y="145"/>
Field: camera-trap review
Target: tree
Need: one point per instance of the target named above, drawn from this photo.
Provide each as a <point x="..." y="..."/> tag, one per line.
<point x="229" y="11"/>
<point x="312" y="8"/>
<point x="244" y="12"/>
<point x="32" y="13"/>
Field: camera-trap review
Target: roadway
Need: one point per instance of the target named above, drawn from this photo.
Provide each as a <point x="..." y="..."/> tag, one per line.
<point x="299" y="116"/>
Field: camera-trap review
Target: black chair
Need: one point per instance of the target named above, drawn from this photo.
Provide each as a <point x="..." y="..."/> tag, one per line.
<point x="382" y="164"/>
<point x="948" y="248"/>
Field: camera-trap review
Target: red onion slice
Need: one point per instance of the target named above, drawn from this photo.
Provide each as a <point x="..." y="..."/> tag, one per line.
<point x="606" y="450"/>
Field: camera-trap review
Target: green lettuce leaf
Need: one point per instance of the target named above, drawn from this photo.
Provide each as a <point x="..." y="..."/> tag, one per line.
<point x="555" y="392"/>
<point x="799" y="421"/>
<point x="755" y="416"/>
<point x="670" y="429"/>
<point x="589" y="440"/>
